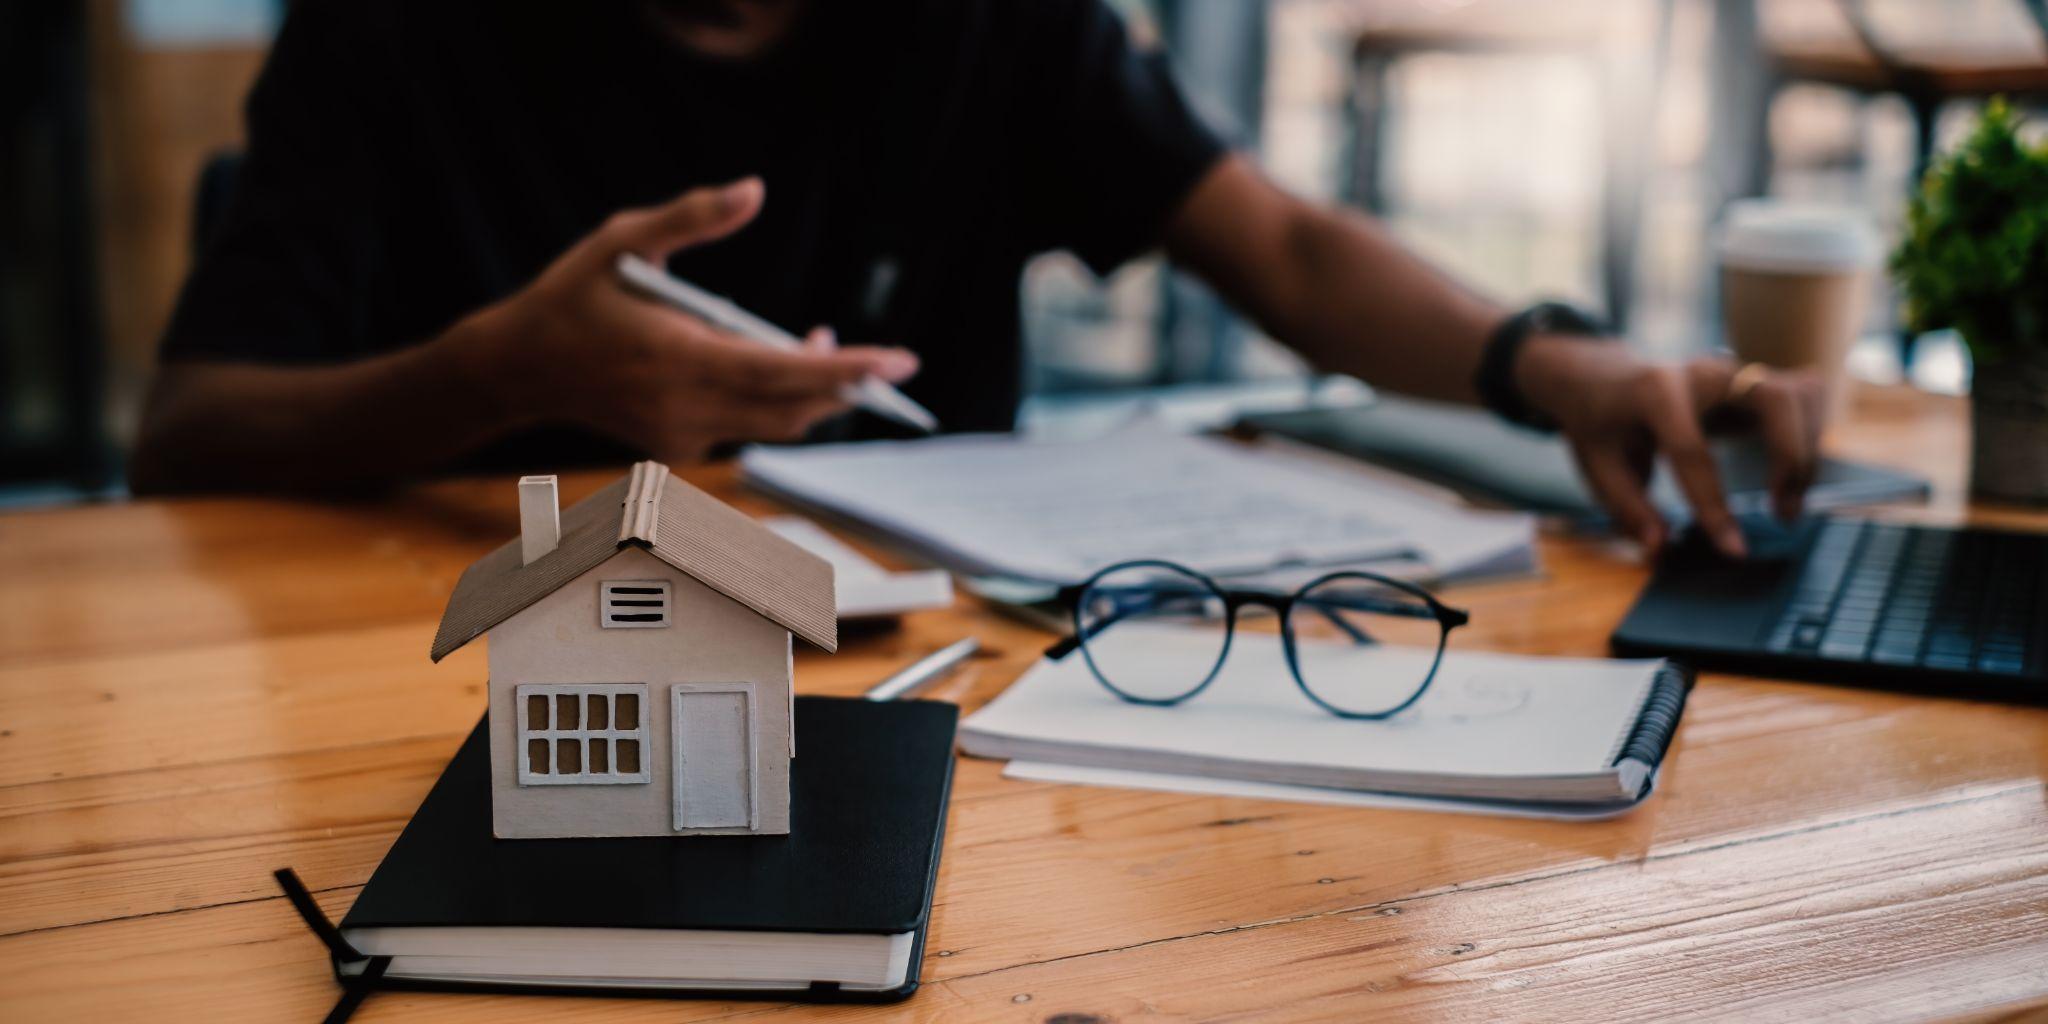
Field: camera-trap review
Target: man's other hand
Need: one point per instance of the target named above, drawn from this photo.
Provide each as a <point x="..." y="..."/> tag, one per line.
<point x="575" y="345"/>
<point x="1620" y="413"/>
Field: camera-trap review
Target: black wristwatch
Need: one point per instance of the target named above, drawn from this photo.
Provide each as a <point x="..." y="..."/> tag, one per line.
<point x="1495" y="378"/>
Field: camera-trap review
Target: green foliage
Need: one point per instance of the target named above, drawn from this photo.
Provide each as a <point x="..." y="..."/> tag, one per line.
<point x="1975" y="255"/>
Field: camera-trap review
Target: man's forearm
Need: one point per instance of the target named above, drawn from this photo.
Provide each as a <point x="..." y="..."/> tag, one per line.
<point x="240" y="426"/>
<point x="1372" y="309"/>
<point x="1333" y="285"/>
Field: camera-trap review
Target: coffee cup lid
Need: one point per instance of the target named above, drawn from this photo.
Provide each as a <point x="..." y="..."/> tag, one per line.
<point x="1770" y="234"/>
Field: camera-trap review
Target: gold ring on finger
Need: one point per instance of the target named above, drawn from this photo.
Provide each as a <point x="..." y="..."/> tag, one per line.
<point x="1744" y="380"/>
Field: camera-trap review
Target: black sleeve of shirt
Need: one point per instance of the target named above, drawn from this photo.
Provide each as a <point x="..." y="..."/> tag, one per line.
<point x="1114" y="143"/>
<point x="286" y="275"/>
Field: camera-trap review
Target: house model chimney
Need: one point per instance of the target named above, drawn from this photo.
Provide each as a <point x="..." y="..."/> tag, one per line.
<point x="540" y="517"/>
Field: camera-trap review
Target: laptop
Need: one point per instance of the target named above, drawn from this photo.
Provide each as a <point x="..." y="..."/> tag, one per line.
<point x="1474" y="452"/>
<point x="1858" y="602"/>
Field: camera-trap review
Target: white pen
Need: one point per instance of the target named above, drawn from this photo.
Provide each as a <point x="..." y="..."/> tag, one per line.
<point x="923" y="670"/>
<point x="872" y="394"/>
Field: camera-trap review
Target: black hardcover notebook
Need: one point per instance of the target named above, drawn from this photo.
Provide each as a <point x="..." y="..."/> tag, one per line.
<point x="836" y="910"/>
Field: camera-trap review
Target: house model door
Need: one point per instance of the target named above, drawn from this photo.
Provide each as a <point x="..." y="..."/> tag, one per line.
<point x="713" y="763"/>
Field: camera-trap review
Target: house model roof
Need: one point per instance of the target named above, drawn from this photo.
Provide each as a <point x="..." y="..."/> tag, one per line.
<point x="712" y="542"/>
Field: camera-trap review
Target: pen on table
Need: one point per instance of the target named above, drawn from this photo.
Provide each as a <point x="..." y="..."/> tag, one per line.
<point x="923" y="671"/>
<point x="876" y="396"/>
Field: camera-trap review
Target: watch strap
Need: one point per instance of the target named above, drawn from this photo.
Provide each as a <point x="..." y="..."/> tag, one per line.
<point x="1495" y="377"/>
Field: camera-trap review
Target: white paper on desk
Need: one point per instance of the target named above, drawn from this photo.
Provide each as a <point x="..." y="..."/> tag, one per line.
<point x="862" y="588"/>
<point x="1057" y="511"/>
<point x="1162" y="782"/>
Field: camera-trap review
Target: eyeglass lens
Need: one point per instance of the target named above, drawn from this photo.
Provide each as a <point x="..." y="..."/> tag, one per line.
<point x="1158" y="633"/>
<point x="1363" y="646"/>
<point x="1152" y="632"/>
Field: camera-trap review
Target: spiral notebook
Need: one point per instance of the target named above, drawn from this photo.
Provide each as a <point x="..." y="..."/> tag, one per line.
<point x="1513" y="732"/>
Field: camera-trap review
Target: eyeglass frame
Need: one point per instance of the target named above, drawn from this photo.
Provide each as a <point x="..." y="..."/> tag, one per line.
<point x="1283" y="605"/>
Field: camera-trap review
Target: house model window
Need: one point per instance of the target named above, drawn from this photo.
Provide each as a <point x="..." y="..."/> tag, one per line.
<point x="633" y="604"/>
<point x="583" y="734"/>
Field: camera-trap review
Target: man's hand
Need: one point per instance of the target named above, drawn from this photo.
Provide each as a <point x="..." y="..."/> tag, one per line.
<point x="1338" y="288"/>
<point x="1620" y="413"/>
<point x="571" y="347"/>
<point x="575" y="345"/>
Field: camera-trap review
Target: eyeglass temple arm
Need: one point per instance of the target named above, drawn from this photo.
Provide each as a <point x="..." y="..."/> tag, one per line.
<point x="1066" y="645"/>
<point x="1368" y="603"/>
<point x="1357" y="634"/>
<point x="1327" y="606"/>
<point x="1450" y="617"/>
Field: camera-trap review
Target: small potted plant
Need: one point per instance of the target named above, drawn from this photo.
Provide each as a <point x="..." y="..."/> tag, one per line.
<point x="1975" y="259"/>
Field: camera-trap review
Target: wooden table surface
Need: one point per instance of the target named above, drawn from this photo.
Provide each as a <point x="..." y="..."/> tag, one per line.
<point x="196" y="692"/>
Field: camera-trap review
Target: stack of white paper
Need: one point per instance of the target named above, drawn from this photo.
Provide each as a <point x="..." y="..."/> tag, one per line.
<point x="1057" y="511"/>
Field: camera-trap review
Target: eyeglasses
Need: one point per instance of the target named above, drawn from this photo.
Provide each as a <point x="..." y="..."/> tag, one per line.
<point x="1360" y="645"/>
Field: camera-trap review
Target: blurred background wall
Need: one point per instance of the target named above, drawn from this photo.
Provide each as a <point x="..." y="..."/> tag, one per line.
<point x="111" y="109"/>
<point x="1572" y="148"/>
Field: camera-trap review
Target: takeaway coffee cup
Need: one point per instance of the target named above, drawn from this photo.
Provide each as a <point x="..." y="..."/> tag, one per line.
<point x="1795" y="283"/>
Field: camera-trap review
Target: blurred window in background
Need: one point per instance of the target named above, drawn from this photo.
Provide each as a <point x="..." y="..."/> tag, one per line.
<point x="1485" y="132"/>
<point x="1860" y="95"/>
<point x="1574" y="148"/>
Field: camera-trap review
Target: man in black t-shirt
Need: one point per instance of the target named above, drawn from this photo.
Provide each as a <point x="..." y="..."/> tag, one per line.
<point x="415" y="269"/>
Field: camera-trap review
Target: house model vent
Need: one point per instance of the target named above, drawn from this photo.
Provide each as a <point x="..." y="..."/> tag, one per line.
<point x="634" y="604"/>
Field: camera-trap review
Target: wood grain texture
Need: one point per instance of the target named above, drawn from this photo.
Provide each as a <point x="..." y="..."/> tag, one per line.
<point x="193" y="693"/>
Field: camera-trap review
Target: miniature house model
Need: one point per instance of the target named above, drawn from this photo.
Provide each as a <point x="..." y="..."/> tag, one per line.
<point x="640" y="662"/>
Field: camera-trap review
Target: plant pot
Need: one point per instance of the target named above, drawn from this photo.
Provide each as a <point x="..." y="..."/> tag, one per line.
<point x="2009" y="427"/>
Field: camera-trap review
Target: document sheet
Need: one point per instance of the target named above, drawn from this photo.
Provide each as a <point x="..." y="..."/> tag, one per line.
<point x="1056" y="511"/>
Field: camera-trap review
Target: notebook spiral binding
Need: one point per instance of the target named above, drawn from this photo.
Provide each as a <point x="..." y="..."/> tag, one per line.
<point x="1658" y="722"/>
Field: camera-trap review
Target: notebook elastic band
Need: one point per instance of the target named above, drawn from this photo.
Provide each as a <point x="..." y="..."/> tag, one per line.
<point x="357" y="989"/>
<point x="309" y="911"/>
<point x="353" y="989"/>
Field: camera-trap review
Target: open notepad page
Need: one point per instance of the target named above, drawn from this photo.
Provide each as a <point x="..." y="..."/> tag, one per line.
<point x="1056" y="511"/>
<point x="1491" y="727"/>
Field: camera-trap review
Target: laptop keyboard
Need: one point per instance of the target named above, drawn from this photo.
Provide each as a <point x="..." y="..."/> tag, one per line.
<point x="1957" y="600"/>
